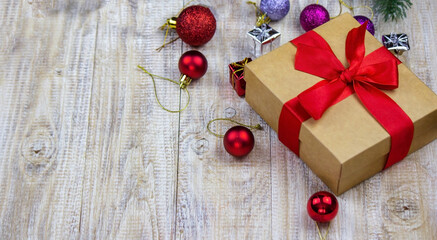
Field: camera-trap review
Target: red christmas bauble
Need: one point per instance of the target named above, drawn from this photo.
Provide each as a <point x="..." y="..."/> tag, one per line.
<point x="196" y="25"/>
<point x="322" y="206"/>
<point x="193" y="64"/>
<point x="239" y="141"/>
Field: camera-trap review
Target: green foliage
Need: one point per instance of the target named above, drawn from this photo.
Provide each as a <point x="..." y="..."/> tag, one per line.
<point x="392" y="9"/>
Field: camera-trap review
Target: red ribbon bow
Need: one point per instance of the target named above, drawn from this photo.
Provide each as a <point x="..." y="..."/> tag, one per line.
<point x="365" y="76"/>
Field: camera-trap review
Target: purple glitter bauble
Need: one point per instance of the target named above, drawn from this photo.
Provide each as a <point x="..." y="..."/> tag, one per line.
<point x="363" y="19"/>
<point x="275" y="9"/>
<point x="313" y="16"/>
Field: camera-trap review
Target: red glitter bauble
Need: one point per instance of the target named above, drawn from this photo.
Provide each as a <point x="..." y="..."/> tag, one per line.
<point x="196" y="25"/>
<point x="193" y="64"/>
<point x="322" y="206"/>
<point x="238" y="141"/>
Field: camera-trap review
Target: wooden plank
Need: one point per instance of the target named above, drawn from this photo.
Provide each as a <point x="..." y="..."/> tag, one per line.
<point x="87" y="153"/>
<point x="292" y="181"/>
<point x="132" y="145"/>
<point x="398" y="203"/>
<point x="406" y="202"/>
<point x="45" y="90"/>
<point x="220" y="196"/>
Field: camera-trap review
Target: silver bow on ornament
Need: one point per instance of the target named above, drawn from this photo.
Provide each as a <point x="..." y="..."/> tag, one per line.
<point x="396" y="42"/>
<point x="263" y="33"/>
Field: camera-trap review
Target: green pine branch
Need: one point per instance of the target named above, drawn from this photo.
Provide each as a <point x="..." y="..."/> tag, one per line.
<point x="392" y="9"/>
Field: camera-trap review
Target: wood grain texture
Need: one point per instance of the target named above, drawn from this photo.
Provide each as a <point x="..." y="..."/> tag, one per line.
<point x="219" y="196"/>
<point x="86" y="152"/>
<point x="46" y="78"/>
<point x="131" y="165"/>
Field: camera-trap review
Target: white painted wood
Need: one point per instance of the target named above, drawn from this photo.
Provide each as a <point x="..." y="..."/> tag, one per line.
<point x="131" y="165"/>
<point x="86" y="152"/>
<point x="46" y="80"/>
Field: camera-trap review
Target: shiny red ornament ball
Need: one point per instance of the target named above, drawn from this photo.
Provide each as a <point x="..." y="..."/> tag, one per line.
<point x="196" y="25"/>
<point x="322" y="206"/>
<point x="193" y="64"/>
<point x="239" y="141"/>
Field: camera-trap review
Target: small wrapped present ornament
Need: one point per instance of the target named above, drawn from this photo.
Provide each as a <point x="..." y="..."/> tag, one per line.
<point x="342" y="102"/>
<point x="262" y="40"/>
<point x="236" y="76"/>
<point x="397" y="43"/>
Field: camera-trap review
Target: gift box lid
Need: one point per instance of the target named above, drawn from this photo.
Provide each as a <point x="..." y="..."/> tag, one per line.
<point x="347" y="133"/>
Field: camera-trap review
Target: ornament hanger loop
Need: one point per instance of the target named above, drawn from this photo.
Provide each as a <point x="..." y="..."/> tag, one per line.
<point x="181" y="84"/>
<point x="343" y="3"/>
<point x="165" y="44"/>
<point x="320" y="233"/>
<point x="258" y="126"/>
<point x="261" y="18"/>
<point x="171" y="24"/>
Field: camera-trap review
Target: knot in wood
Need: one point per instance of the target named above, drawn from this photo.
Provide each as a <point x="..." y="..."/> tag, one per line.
<point x="200" y="146"/>
<point x="230" y="112"/>
<point x="38" y="148"/>
<point x="404" y="210"/>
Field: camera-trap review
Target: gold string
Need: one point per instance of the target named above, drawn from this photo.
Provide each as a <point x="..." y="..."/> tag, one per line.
<point x="167" y="25"/>
<point x="240" y="66"/>
<point x="258" y="126"/>
<point x="156" y="94"/>
<point x="342" y="2"/>
<point x="165" y="44"/>
<point x="341" y="10"/>
<point x="346" y="5"/>
<point x="351" y="8"/>
<point x="320" y="233"/>
<point x="261" y="18"/>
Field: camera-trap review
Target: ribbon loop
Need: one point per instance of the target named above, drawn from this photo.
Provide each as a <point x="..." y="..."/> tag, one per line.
<point x="355" y="48"/>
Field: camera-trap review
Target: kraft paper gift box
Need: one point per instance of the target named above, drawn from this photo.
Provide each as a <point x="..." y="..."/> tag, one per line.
<point x="346" y="145"/>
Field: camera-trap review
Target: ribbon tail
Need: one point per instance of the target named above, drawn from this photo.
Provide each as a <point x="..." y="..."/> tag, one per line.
<point x="394" y="120"/>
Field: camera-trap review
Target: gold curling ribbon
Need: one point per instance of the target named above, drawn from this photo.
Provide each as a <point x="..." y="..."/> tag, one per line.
<point x="261" y="18"/>
<point x="239" y="65"/>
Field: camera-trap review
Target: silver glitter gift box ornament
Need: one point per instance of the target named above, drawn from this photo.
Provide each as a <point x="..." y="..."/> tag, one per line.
<point x="397" y="43"/>
<point x="262" y="40"/>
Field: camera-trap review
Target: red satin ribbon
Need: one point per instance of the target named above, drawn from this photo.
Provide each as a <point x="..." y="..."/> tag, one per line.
<point x="365" y="76"/>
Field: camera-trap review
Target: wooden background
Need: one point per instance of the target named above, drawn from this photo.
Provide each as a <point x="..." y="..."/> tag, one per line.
<point x="86" y="152"/>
